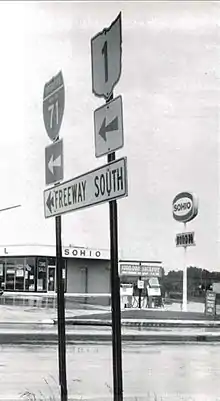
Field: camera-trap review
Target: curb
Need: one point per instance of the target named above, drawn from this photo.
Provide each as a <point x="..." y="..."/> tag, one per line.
<point x="147" y="323"/>
<point x="144" y="323"/>
<point x="28" y="322"/>
<point x="36" y="337"/>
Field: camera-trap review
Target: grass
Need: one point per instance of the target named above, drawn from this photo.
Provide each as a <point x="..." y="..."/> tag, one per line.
<point x="52" y="394"/>
<point x="29" y="396"/>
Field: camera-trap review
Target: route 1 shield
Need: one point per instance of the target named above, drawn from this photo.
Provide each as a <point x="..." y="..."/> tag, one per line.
<point x="106" y="59"/>
<point x="53" y="105"/>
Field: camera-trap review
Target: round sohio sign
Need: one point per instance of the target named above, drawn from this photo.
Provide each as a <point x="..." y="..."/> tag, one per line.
<point x="185" y="207"/>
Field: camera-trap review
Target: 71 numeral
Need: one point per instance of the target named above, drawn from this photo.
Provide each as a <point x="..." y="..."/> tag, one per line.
<point x="51" y="108"/>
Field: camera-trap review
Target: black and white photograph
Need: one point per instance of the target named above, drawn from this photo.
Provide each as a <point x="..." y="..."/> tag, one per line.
<point x="110" y="201"/>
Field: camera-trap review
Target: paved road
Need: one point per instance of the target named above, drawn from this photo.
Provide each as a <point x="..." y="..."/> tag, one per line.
<point x="186" y="372"/>
<point x="150" y="314"/>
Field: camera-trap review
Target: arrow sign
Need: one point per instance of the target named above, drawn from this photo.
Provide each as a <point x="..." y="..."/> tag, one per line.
<point x="103" y="184"/>
<point x="112" y="126"/>
<point x="54" y="162"/>
<point x="108" y="120"/>
<point x="50" y="202"/>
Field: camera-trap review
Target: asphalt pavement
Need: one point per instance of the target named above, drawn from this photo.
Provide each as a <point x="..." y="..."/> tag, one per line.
<point x="150" y="372"/>
<point x="159" y="314"/>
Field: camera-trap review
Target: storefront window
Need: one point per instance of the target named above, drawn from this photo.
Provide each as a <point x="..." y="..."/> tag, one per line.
<point x="30" y="278"/>
<point x="41" y="274"/>
<point x="30" y="274"/>
<point x="2" y="275"/>
<point x="51" y="274"/>
<point x="15" y="274"/>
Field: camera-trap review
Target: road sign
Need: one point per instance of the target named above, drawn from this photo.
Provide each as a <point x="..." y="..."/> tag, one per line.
<point x="210" y="303"/>
<point x="97" y="186"/>
<point x="54" y="162"/>
<point x="108" y="124"/>
<point x="106" y="59"/>
<point x="53" y="105"/>
<point x="185" y="239"/>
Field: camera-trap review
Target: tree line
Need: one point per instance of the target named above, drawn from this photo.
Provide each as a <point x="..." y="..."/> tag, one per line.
<point x="198" y="281"/>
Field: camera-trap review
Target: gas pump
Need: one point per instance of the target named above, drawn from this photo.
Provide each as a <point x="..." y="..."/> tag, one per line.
<point x="154" y="293"/>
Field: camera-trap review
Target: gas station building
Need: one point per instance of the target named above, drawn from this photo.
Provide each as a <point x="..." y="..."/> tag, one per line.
<point x="32" y="268"/>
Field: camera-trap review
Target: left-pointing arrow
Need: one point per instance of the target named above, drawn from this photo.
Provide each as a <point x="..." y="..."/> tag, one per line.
<point x="112" y="126"/>
<point x="54" y="163"/>
<point x="50" y="202"/>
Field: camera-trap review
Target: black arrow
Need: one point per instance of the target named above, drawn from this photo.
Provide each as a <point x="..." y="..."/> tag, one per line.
<point x="50" y="202"/>
<point x="112" y="126"/>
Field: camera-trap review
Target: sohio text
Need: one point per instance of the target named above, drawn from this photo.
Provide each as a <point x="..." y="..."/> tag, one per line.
<point x="82" y="253"/>
<point x="185" y="207"/>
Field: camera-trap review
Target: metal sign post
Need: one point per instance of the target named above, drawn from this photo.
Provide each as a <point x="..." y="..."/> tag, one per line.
<point x="115" y="298"/>
<point x="106" y="71"/>
<point x="53" y="109"/>
<point x="61" y="311"/>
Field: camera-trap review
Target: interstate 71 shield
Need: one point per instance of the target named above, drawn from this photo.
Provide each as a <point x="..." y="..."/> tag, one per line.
<point x="53" y="105"/>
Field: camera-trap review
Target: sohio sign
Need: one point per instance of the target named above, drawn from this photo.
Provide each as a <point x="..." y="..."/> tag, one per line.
<point x="185" y="207"/>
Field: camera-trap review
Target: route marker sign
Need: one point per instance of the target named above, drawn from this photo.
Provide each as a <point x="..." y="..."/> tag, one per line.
<point x="97" y="186"/>
<point x="108" y="124"/>
<point x="54" y="162"/>
<point x="106" y="59"/>
<point x="53" y="105"/>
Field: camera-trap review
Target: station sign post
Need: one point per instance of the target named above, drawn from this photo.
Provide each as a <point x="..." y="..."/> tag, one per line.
<point x="185" y="209"/>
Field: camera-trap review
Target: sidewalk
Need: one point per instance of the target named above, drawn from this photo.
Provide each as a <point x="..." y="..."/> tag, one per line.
<point x="34" y="315"/>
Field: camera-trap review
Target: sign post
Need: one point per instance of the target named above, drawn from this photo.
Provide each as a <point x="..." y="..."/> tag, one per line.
<point x="53" y="108"/>
<point x="185" y="209"/>
<point x="106" y="71"/>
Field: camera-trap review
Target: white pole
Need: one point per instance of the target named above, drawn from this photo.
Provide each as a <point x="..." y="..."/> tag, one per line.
<point x="184" y="304"/>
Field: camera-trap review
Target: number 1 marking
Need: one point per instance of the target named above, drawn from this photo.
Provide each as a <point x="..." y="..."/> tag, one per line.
<point x="105" y="53"/>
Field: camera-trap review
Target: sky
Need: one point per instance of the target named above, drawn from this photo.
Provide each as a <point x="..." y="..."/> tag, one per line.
<point x="170" y="89"/>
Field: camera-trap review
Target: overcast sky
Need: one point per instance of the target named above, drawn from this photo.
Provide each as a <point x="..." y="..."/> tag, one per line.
<point x="170" y="90"/>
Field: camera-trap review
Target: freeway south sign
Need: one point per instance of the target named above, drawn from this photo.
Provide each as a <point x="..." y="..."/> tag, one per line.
<point x="108" y="124"/>
<point x="97" y="186"/>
